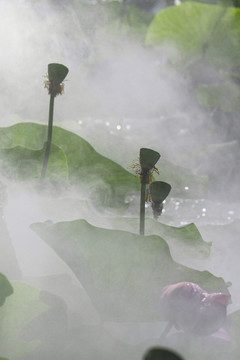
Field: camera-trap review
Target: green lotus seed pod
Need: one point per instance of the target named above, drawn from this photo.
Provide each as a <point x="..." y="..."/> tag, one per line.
<point x="159" y="190"/>
<point x="57" y="72"/>
<point x="148" y="158"/>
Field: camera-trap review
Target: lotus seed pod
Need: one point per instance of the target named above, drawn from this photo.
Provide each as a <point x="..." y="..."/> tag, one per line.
<point x="148" y="159"/>
<point x="57" y="72"/>
<point x="159" y="190"/>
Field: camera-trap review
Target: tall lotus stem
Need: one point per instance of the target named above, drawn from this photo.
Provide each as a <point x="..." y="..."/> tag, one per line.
<point x="144" y="179"/>
<point x="55" y="86"/>
<point x="144" y="169"/>
<point x="49" y="137"/>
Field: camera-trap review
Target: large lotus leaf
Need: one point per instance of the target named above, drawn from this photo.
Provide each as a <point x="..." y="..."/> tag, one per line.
<point x="105" y="181"/>
<point x="22" y="328"/>
<point x="122" y="272"/>
<point x="6" y="289"/>
<point x="187" y="25"/>
<point x="184" y="242"/>
<point x="199" y="29"/>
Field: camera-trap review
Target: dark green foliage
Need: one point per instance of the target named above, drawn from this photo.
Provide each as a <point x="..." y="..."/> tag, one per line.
<point x="158" y="353"/>
<point x="6" y="289"/>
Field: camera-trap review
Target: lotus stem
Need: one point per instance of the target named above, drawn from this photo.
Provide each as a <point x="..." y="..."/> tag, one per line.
<point x="55" y="86"/>
<point x="142" y="204"/>
<point x="49" y="137"/>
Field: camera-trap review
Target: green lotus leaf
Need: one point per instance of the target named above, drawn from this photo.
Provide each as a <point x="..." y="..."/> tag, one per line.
<point x="122" y="272"/>
<point x="180" y="25"/>
<point x="148" y="158"/>
<point x="27" y="321"/>
<point x="106" y="182"/>
<point x="21" y="308"/>
<point x="57" y="72"/>
<point x="159" y="190"/>
<point x="6" y="289"/>
<point x="199" y="30"/>
<point x="184" y="242"/>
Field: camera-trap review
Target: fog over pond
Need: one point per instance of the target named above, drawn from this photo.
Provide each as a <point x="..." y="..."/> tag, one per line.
<point x="120" y="95"/>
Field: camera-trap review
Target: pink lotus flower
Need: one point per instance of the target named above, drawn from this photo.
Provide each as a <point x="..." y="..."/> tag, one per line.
<point x="190" y="308"/>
